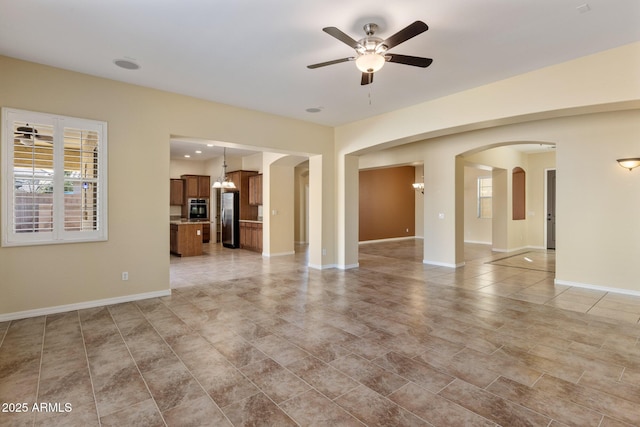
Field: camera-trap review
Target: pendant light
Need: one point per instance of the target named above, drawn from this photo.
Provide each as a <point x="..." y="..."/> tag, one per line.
<point x="223" y="182"/>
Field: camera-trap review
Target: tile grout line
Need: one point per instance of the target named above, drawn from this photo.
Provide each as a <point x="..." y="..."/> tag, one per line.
<point x="6" y="331"/>
<point x="86" y="357"/>
<point x="44" y="333"/>
<point x="283" y="367"/>
<point x="180" y="359"/>
<point x="249" y="379"/>
<point x="596" y="303"/>
<point x="137" y="367"/>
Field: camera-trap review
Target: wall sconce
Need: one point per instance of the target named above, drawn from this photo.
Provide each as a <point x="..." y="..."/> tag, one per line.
<point x="418" y="186"/>
<point x="629" y="163"/>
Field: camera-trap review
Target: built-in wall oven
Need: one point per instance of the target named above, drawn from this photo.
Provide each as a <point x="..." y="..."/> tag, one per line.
<point x="198" y="209"/>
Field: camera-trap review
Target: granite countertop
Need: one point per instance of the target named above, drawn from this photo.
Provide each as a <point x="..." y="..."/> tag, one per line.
<point x="186" y="221"/>
<point x="251" y="220"/>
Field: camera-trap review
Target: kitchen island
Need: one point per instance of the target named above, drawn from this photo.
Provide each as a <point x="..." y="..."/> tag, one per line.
<point x="186" y="238"/>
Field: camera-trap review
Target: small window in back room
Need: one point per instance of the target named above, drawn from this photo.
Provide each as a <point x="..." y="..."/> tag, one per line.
<point x="485" y="197"/>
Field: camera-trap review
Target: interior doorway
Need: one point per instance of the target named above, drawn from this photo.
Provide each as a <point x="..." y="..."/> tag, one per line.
<point x="551" y="208"/>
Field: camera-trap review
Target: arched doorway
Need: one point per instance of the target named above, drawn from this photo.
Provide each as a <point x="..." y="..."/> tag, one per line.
<point x="515" y="174"/>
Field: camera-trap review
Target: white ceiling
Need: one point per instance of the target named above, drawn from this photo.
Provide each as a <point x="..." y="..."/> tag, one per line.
<point x="180" y="148"/>
<point x="254" y="53"/>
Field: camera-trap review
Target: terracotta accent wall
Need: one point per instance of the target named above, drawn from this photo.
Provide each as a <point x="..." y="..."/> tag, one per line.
<point x="387" y="203"/>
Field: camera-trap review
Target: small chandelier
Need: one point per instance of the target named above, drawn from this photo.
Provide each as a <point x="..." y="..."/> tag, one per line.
<point x="223" y="181"/>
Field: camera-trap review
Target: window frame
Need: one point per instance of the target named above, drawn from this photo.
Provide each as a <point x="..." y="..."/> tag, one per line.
<point x="480" y="212"/>
<point x="58" y="234"/>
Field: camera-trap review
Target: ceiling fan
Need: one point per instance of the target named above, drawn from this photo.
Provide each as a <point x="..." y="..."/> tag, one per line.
<point x="27" y="135"/>
<point x="372" y="52"/>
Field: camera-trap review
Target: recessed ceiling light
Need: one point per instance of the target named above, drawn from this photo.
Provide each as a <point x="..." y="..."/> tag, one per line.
<point x="584" y="8"/>
<point x="198" y="152"/>
<point x="127" y="64"/>
<point x="314" y="110"/>
<point x="209" y="145"/>
<point x="187" y="156"/>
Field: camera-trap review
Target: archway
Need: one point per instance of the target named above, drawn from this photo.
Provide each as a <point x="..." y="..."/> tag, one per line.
<point x="504" y="229"/>
<point x="280" y="203"/>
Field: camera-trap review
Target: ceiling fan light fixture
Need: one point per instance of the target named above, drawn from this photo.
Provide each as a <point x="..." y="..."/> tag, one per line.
<point x="370" y="62"/>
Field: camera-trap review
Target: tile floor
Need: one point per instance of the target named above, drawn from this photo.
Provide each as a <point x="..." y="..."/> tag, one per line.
<point x="249" y="341"/>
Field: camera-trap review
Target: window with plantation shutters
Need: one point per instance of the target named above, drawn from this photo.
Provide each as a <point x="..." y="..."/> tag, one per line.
<point x="54" y="179"/>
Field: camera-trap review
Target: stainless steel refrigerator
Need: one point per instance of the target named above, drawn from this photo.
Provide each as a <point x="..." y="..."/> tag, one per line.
<point x="231" y="220"/>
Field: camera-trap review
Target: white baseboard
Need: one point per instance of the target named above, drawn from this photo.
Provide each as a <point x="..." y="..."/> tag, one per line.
<point x="81" y="305"/>
<point x="522" y="248"/>
<point x="597" y="288"/>
<point x="477" y="242"/>
<point x="443" y="264"/>
<point x="264" y="254"/>
<point x="390" y="239"/>
<point x="322" y="267"/>
<point x="348" y="266"/>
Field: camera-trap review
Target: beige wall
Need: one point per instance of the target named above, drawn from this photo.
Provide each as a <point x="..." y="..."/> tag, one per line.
<point x="281" y="210"/>
<point x="252" y="162"/>
<point x="141" y="122"/>
<point x="301" y="203"/>
<point x="598" y="203"/>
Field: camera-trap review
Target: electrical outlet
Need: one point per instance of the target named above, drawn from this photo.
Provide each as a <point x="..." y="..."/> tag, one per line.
<point x="125" y="275"/>
<point x="324" y="252"/>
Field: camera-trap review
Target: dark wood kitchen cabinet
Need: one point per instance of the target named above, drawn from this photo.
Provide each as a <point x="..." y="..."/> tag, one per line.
<point x="255" y="190"/>
<point x="206" y="232"/>
<point x="176" y="189"/>
<point x="197" y="186"/>
<point x="251" y="236"/>
<point x="241" y="180"/>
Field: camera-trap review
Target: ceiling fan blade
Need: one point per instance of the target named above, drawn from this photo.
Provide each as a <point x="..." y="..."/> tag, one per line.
<point x="367" y="78"/>
<point x="333" y="31"/>
<point x="416" y="61"/>
<point x="44" y="138"/>
<point x="405" y="34"/>
<point x="335" y="61"/>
